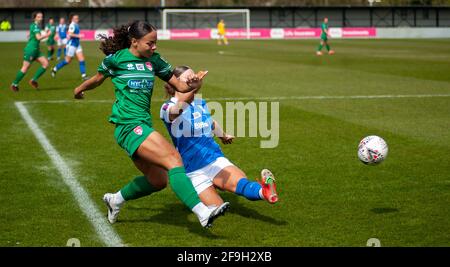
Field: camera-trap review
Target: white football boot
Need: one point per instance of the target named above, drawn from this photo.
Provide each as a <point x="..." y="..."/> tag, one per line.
<point x="113" y="207"/>
<point x="215" y="212"/>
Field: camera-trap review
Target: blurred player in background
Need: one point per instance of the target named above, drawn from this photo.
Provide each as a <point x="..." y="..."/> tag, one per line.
<point x="51" y="38"/>
<point x="324" y="38"/>
<point x="5" y="25"/>
<point x="205" y="163"/>
<point x="73" y="47"/>
<point x="32" y="52"/>
<point x="133" y="64"/>
<point x="61" y="31"/>
<point x="221" y="31"/>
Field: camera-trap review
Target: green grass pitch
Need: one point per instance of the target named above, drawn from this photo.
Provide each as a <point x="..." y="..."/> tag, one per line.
<point x="327" y="197"/>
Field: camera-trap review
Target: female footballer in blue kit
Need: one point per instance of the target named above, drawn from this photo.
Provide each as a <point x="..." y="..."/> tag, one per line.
<point x="61" y="31"/>
<point x="192" y="131"/>
<point x="73" y="48"/>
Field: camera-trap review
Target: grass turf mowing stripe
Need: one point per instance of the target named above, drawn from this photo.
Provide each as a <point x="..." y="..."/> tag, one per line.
<point x="106" y="233"/>
<point x="253" y="98"/>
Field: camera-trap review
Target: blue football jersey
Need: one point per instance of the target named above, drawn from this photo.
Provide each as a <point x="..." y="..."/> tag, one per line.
<point x="74" y="28"/>
<point x="62" y="30"/>
<point x="192" y="134"/>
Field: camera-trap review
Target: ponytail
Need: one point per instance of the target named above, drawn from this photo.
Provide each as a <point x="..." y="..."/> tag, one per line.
<point x="122" y="36"/>
<point x="112" y="44"/>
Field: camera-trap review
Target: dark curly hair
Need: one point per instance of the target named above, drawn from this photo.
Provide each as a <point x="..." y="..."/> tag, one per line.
<point x="123" y="34"/>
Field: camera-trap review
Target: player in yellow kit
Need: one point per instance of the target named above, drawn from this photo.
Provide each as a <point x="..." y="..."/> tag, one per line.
<point x="221" y="32"/>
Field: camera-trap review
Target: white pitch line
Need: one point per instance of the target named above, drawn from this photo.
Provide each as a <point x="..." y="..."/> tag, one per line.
<point x="330" y="97"/>
<point x="97" y="219"/>
<point x="274" y="98"/>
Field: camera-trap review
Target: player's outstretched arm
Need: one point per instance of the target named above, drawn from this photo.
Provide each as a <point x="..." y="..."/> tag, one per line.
<point x="183" y="101"/>
<point x="90" y="84"/>
<point x="218" y="131"/>
<point x="193" y="82"/>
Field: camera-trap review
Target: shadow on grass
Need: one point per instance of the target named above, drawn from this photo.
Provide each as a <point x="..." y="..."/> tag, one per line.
<point x="174" y="214"/>
<point x="384" y="210"/>
<point x="241" y="210"/>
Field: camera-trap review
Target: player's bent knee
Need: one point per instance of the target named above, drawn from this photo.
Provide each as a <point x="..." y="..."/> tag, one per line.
<point x="159" y="184"/>
<point x="174" y="162"/>
<point x="80" y="56"/>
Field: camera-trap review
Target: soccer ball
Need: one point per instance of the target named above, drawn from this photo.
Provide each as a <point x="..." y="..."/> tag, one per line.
<point x="372" y="150"/>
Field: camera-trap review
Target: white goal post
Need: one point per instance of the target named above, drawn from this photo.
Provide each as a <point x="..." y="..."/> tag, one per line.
<point x="245" y="12"/>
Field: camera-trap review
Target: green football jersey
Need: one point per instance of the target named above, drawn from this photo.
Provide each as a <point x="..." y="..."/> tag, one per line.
<point x="133" y="79"/>
<point x="52" y="28"/>
<point x="324" y="27"/>
<point x="33" y="43"/>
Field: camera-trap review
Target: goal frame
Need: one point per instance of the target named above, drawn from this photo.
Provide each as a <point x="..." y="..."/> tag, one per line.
<point x="246" y="12"/>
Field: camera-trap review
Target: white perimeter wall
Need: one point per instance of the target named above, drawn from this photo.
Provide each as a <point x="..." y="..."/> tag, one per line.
<point x="13" y="36"/>
<point x="388" y="33"/>
<point x="413" y="32"/>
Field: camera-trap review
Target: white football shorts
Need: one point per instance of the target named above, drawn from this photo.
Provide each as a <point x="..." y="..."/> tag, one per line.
<point x="203" y="178"/>
<point x="71" y="50"/>
<point x="62" y="42"/>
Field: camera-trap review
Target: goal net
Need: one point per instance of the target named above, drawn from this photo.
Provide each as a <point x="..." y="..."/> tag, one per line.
<point x="206" y="19"/>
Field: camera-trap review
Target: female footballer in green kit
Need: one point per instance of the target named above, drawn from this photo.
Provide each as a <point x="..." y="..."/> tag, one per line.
<point x="32" y="52"/>
<point x="51" y="38"/>
<point x="132" y="65"/>
<point x="324" y="38"/>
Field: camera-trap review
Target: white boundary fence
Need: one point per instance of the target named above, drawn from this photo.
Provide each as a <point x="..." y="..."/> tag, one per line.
<point x="267" y="33"/>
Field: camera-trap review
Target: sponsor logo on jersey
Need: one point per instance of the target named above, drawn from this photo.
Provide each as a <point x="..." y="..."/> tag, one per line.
<point x="130" y="66"/>
<point x="140" y="67"/>
<point x="196" y="115"/>
<point x="149" y="66"/>
<point x="138" y="130"/>
<point x="140" y="84"/>
<point x="199" y="125"/>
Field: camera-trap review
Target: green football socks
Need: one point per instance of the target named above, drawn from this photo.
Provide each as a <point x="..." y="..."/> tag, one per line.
<point x="139" y="187"/>
<point x="179" y="181"/>
<point x="183" y="188"/>
<point x="50" y="53"/>
<point x="39" y="73"/>
<point x="19" y="77"/>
